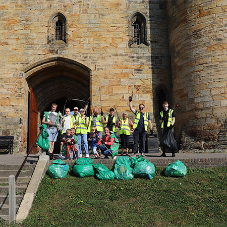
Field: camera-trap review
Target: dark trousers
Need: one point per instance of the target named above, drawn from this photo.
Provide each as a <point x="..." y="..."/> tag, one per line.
<point x="139" y="135"/>
<point x="124" y="139"/>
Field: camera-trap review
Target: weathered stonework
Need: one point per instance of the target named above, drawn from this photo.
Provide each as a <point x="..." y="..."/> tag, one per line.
<point x="197" y="42"/>
<point x="96" y="54"/>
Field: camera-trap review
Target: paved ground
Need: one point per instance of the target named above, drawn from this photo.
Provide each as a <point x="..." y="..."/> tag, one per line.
<point x="18" y="158"/>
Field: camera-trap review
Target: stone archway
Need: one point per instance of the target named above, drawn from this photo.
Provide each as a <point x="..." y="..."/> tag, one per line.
<point x="51" y="80"/>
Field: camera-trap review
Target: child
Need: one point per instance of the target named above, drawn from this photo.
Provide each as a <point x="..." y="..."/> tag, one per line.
<point x="68" y="141"/>
<point x="76" y="145"/>
<point x="94" y="138"/>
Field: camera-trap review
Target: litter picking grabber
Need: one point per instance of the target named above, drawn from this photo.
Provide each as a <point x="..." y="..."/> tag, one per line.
<point x="79" y="100"/>
<point x="116" y="113"/>
<point x="100" y="101"/>
<point x="130" y="97"/>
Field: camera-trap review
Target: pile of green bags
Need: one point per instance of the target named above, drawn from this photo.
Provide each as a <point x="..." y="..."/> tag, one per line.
<point x="58" y="169"/>
<point x="176" y="169"/>
<point x="125" y="168"/>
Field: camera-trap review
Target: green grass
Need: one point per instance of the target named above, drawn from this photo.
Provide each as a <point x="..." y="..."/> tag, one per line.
<point x="199" y="199"/>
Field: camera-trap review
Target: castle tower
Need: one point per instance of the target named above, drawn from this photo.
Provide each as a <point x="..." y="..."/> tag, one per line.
<point x="198" y="49"/>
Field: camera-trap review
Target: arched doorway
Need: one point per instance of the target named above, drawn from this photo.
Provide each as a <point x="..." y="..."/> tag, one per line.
<point x="54" y="80"/>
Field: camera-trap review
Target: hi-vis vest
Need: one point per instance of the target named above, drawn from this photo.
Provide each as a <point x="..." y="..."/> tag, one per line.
<point x="81" y="125"/>
<point x="125" y="128"/>
<point x="170" y="118"/>
<point x="115" y="146"/>
<point x="114" y="121"/>
<point x="46" y="114"/>
<point x="138" y="118"/>
<point x="71" y="123"/>
<point x="99" y="127"/>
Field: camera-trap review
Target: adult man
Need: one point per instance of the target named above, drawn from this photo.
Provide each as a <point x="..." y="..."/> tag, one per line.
<point x="110" y="120"/>
<point x="67" y="121"/>
<point x="167" y="120"/>
<point x="76" y="112"/>
<point x="140" y="126"/>
<point x="96" y="120"/>
<point x="52" y="120"/>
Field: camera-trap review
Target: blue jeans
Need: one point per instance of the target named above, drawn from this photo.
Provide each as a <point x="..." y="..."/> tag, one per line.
<point x="105" y="150"/>
<point x="84" y="137"/>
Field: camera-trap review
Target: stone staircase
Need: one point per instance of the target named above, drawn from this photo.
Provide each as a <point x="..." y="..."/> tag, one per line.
<point x="21" y="185"/>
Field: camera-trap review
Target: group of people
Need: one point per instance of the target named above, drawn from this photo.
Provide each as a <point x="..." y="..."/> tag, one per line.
<point x="77" y="130"/>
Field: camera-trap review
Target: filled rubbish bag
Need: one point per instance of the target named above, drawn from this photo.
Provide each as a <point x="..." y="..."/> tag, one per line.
<point x="84" y="161"/>
<point x="169" y="141"/>
<point x="135" y="160"/>
<point x="123" y="172"/>
<point x="83" y="170"/>
<point x="43" y="141"/>
<point x="176" y="169"/>
<point x="58" y="169"/>
<point x="123" y="160"/>
<point x="102" y="172"/>
<point x="144" y="169"/>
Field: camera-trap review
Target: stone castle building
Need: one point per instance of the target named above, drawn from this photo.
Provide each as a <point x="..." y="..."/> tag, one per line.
<point x="174" y="50"/>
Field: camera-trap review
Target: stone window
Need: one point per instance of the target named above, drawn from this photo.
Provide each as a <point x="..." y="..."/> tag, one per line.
<point x="57" y="28"/>
<point x="138" y="23"/>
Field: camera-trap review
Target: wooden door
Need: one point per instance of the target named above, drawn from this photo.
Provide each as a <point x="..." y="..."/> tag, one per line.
<point x="32" y="122"/>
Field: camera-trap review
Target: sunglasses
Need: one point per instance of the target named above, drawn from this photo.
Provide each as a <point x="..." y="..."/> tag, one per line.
<point x="141" y="108"/>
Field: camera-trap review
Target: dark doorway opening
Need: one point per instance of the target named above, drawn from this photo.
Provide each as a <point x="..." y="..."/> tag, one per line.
<point x="55" y="80"/>
<point x="161" y="98"/>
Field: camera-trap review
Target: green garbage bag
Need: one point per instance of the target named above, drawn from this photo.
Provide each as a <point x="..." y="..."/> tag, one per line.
<point x="83" y="170"/>
<point x="135" y="160"/>
<point x="84" y="161"/>
<point x="102" y="172"/>
<point x="123" y="160"/>
<point x="176" y="169"/>
<point x="43" y="141"/>
<point x="123" y="172"/>
<point x="58" y="169"/>
<point x="144" y="169"/>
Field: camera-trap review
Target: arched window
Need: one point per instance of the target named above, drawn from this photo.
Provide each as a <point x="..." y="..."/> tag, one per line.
<point x="139" y="29"/>
<point x="57" y="28"/>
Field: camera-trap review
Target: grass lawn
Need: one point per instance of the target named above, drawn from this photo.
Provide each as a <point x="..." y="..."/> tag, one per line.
<point x="199" y="199"/>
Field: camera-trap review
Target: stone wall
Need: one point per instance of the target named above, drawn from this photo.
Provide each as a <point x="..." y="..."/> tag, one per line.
<point x="197" y="42"/>
<point x="98" y="34"/>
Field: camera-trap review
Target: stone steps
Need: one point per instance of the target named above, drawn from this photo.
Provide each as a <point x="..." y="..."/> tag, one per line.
<point x="20" y="180"/>
<point x="21" y="185"/>
<point x="5" y="199"/>
<point x="5" y="210"/>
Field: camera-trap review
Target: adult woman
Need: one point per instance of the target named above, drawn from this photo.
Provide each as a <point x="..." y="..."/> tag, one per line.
<point x="81" y="131"/>
<point x="126" y="126"/>
<point x="110" y="144"/>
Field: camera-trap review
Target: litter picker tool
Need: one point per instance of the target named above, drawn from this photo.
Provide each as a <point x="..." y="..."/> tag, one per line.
<point x="116" y="113"/>
<point x="100" y="101"/>
<point x="130" y="97"/>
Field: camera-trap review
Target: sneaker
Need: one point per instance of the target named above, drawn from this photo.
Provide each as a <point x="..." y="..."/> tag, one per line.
<point x="142" y="154"/>
<point x="133" y="155"/>
<point x="87" y="155"/>
<point x="115" y="157"/>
